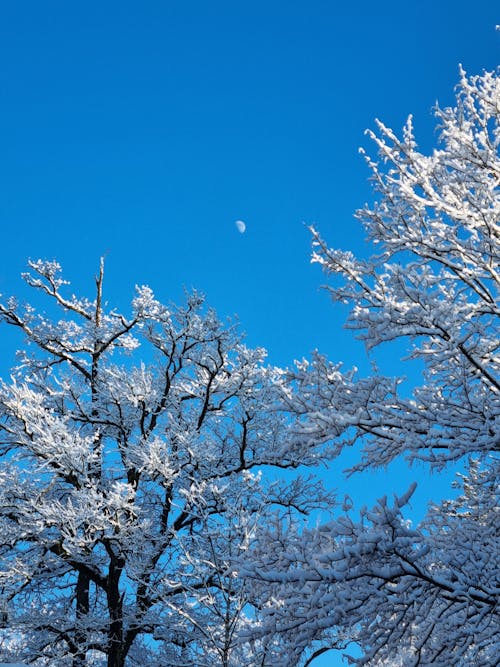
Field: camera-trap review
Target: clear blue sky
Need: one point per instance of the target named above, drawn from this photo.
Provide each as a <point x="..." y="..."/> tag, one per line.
<point x="143" y="130"/>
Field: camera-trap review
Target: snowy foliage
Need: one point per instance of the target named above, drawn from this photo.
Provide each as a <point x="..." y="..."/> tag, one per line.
<point x="427" y="594"/>
<point x="135" y="456"/>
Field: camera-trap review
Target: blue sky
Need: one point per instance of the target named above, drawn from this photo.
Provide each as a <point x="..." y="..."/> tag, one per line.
<point x="143" y="130"/>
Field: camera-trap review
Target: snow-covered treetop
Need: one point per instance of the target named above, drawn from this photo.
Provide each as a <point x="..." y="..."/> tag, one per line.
<point x="408" y="595"/>
<point x="434" y="281"/>
<point x="134" y="451"/>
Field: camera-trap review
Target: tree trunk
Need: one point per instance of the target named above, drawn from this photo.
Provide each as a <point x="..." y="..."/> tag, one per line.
<point x="116" y="644"/>
<point x="82" y="609"/>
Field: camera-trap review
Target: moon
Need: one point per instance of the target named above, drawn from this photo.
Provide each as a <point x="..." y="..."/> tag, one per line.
<point x="240" y="226"/>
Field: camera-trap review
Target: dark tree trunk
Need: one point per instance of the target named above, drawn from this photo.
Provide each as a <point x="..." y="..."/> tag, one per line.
<point x="116" y="643"/>
<point x="82" y="609"/>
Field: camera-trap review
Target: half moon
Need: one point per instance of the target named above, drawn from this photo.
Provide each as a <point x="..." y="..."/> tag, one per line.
<point x="240" y="226"/>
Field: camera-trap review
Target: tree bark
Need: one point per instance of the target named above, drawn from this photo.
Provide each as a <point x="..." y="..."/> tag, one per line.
<point x="82" y="609"/>
<point x="116" y="645"/>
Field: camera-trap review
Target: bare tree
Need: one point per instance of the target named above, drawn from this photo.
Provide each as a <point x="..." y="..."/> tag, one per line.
<point x="428" y="594"/>
<point x="134" y="457"/>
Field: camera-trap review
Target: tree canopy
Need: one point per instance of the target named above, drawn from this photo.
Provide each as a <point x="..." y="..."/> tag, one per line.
<point x="134" y="453"/>
<point x="427" y="594"/>
<point x="148" y="514"/>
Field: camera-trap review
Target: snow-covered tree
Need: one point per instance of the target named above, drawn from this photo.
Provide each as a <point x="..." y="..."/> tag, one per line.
<point x="134" y="469"/>
<point x="427" y="594"/>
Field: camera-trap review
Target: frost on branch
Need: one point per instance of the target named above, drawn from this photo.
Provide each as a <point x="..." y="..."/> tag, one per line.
<point x="434" y="282"/>
<point x="427" y="594"/>
<point x="131" y="485"/>
<point x="424" y="596"/>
